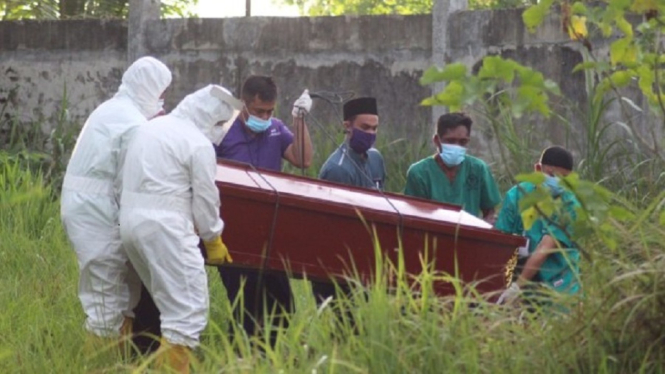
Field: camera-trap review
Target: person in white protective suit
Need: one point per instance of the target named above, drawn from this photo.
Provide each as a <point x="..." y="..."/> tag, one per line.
<point x="169" y="195"/>
<point x="90" y="197"/>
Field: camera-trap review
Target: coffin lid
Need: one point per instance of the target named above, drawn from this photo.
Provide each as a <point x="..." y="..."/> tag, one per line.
<point x="323" y="195"/>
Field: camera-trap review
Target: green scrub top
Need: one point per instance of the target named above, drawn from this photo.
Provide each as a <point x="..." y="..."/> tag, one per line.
<point x="348" y="167"/>
<point x="474" y="188"/>
<point x="561" y="269"/>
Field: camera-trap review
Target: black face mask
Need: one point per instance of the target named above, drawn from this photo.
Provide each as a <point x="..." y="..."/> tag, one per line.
<point x="361" y="141"/>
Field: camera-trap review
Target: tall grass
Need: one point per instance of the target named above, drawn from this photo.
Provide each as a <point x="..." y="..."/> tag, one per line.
<point x="617" y="326"/>
<point x="45" y="144"/>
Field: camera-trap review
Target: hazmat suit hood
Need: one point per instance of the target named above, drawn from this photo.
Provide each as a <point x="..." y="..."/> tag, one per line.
<point x="212" y="109"/>
<point x="144" y="82"/>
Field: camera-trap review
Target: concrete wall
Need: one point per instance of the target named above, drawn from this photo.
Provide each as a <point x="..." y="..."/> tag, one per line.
<point x="382" y="56"/>
<point x="39" y="60"/>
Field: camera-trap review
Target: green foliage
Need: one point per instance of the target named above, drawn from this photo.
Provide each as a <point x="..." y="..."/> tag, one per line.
<point x="635" y="54"/>
<point x="67" y="9"/>
<point x="509" y="98"/>
<point x="361" y="7"/>
<point x="535" y="14"/>
<point x="405" y="7"/>
<point x="520" y="88"/>
<point x="47" y="151"/>
<point x="26" y="202"/>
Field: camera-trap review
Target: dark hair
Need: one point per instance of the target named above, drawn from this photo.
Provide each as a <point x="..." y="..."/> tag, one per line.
<point x="557" y="156"/>
<point x="260" y="85"/>
<point x="450" y="121"/>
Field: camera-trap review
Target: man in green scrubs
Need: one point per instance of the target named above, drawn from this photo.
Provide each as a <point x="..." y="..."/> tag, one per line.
<point x="550" y="258"/>
<point x="452" y="176"/>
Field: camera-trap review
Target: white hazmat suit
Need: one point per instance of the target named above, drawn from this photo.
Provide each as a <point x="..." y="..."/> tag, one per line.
<point x="90" y="196"/>
<point x="169" y="193"/>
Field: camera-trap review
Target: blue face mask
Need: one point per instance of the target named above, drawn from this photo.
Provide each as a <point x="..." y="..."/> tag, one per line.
<point x="452" y="154"/>
<point x="553" y="184"/>
<point x="257" y="124"/>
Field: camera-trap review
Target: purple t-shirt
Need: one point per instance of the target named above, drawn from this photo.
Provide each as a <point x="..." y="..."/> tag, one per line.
<point x="264" y="150"/>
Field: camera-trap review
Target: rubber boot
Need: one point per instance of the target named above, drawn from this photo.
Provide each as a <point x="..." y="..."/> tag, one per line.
<point x="173" y="358"/>
<point x="125" y="342"/>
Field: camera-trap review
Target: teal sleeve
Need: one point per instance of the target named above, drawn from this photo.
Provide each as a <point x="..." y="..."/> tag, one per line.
<point x="489" y="194"/>
<point x="415" y="186"/>
<point x="509" y="219"/>
<point x="336" y="174"/>
<point x="561" y="269"/>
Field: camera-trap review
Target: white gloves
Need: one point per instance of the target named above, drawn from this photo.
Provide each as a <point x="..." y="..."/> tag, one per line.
<point x="304" y="102"/>
<point x="510" y="294"/>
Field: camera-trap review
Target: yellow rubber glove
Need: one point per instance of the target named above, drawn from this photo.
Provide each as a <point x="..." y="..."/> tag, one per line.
<point x="217" y="252"/>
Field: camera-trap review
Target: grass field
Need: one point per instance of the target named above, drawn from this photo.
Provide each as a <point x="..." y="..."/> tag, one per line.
<point x="619" y="327"/>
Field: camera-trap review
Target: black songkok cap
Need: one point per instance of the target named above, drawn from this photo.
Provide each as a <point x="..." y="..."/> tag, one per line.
<point x="557" y="156"/>
<point x="361" y="105"/>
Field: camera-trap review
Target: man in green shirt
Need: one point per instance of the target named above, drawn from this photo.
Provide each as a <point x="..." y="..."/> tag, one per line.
<point x="452" y="176"/>
<point x="550" y="258"/>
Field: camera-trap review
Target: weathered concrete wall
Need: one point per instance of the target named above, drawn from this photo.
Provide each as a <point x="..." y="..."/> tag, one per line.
<point x="379" y="56"/>
<point x="39" y="60"/>
<point x="383" y="57"/>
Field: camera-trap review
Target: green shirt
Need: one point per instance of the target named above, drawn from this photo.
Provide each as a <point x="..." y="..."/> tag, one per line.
<point x="561" y="269"/>
<point x="348" y="167"/>
<point x="474" y="188"/>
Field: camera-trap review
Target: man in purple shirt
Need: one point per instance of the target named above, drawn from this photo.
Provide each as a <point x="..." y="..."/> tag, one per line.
<point x="259" y="139"/>
<point x="262" y="150"/>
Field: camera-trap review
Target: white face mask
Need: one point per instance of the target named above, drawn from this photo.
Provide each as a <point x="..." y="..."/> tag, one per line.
<point x="217" y="134"/>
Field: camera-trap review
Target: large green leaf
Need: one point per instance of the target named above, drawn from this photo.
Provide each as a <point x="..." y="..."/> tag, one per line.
<point x="535" y="178"/>
<point x="620" y="78"/>
<point x="535" y="14"/>
<point x="450" y="72"/>
<point x="451" y="96"/>
<point x="621" y="213"/>
<point x="586" y="65"/>
<point x="497" y="68"/>
<point x="623" y="51"/>
<point x="624" y="26"/>
<point x="578" y="8"/>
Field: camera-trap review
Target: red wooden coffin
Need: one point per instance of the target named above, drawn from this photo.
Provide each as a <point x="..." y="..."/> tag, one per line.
<point x="313" y="228"/>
